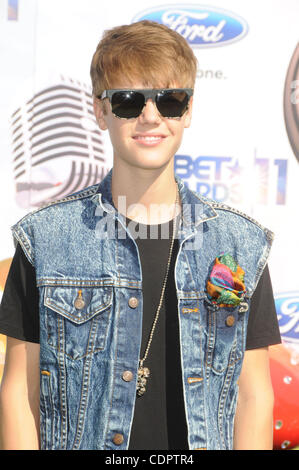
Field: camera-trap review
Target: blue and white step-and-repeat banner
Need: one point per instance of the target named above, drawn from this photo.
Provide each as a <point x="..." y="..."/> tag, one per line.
<point x="241" y="149"/>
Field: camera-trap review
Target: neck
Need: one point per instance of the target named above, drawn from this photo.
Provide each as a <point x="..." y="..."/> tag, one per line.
<point x="146" y="196"/>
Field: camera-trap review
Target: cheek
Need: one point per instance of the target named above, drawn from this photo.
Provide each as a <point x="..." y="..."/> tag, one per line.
<point x="120" y="138"/>
<point x="187" y="121"/>
<point x="177" y="129"/>
<point x="116" y="131"/>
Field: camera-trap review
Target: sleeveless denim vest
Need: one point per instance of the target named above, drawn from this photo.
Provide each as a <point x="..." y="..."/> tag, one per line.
<point x="89" y="278"/>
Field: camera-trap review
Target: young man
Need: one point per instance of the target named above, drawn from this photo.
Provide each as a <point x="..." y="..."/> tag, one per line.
<point x="118" y="341"/>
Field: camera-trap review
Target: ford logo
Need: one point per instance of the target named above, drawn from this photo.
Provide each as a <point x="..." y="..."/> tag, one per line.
<point x="287" y="307"/>
<point x="201" y="26"/>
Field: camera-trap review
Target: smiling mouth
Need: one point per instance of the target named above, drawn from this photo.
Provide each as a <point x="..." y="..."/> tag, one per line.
<point x="149" y="139"/>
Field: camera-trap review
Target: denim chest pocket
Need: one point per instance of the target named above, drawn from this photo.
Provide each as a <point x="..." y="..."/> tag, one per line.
<point x="225" y="342"/>
<point x="77" y="319"/>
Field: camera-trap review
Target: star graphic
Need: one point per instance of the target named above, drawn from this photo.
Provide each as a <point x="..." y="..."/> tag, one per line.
<point x="236" y="169"/>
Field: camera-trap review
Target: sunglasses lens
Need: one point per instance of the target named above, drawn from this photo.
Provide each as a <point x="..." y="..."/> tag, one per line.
<point x="127" y="104"/>
<point x="172" y="103"/>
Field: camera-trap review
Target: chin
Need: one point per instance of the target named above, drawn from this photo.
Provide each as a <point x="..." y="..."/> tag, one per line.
<point x="152" y="163"/>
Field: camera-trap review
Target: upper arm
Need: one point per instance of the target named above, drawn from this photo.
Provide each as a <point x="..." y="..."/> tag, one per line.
<point x="253" y="426"/>
<point x="255" y="379"/>
<point x="19" y="397"/>
<point x="21" y="369"/>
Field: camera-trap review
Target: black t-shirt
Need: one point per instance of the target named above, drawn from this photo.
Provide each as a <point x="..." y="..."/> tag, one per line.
<point x="159" y="417"/>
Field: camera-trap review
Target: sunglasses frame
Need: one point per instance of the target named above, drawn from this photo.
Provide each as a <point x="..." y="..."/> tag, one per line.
<point x="148" y="93"/>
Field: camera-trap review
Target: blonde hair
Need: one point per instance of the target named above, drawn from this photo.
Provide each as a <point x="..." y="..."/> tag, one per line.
<point x="145" y="51"/>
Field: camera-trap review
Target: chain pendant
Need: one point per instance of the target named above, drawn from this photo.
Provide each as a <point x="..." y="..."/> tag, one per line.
<point x="143" y="374"/>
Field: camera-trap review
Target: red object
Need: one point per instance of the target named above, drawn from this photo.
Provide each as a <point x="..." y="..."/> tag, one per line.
<point x="284" y="368"/>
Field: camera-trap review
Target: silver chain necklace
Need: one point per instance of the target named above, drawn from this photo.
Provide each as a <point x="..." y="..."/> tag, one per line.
<point x="144" y="372"/>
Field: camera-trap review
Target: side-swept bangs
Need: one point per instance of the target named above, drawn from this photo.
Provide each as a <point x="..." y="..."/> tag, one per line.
<point x="144" y="52"/>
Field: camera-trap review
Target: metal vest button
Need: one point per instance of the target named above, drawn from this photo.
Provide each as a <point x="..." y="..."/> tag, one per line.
<point x="118" y="439"/>
<point x="230" y="320"/>
<point x="79" y="303"/>
<point x="133" y="302"/>
<point x="127" y="376"/>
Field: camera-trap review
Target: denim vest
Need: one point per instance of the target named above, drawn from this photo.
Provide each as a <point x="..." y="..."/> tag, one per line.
<point x="90" y="301"/>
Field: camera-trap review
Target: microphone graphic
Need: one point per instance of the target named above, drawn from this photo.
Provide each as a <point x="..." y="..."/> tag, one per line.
<point x="57" y="146"/>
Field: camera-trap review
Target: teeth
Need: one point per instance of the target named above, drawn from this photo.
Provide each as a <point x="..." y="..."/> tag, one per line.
<point x="150" y="138"/>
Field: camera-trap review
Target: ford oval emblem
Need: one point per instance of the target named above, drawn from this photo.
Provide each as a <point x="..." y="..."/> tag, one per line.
<point x="287" y="307"/>
<point x="201" y="26"/>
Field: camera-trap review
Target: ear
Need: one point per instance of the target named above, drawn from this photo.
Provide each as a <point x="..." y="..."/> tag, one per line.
<point x="188" y="114"/>
<point x="99" y="113"/>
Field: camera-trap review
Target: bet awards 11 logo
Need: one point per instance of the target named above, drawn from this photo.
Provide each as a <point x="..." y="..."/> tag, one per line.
<point x="291" y="102"/>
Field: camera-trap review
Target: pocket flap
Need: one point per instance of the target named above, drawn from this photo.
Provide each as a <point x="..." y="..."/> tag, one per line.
<point x="78" y="304"/>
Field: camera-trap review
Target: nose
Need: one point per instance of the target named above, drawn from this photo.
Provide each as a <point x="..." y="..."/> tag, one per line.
<point x="150" y="113"/>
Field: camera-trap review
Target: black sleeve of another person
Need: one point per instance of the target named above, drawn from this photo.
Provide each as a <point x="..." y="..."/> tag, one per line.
<point x="263" y="328"/>
<point x="19" y="309"/>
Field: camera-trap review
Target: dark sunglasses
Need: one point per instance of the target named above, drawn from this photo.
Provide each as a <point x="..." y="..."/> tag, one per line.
<point x="128" y="104"/>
